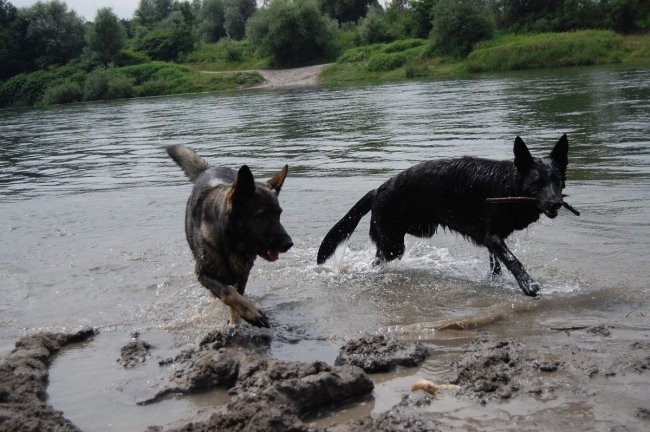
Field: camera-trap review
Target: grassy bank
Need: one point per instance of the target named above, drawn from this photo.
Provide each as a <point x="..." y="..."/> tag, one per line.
<point x="417" y="59"/>
<point x="71" y="83"/>
<point x="400" y="60"/>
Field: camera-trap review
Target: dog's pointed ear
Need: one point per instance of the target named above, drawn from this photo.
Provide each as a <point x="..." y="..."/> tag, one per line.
<point x="560" y="153"/>
<point x="523" y="159"/>
<point x="244" y="186"/>
<point x="278" y="180"/>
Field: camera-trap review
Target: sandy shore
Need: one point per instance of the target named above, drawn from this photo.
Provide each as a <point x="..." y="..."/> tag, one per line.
<point x="296" y="77"/>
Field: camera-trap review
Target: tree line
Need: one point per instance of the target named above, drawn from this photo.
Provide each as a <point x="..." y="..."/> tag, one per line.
<point x="289" y="32"/>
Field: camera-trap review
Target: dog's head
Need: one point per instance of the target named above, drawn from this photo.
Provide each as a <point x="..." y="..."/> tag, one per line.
<point x="255" y="212"/>
<point x="543" y="178"/>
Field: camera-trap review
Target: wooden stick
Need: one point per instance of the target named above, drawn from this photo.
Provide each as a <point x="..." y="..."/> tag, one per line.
<point x="505" y="200"/>
<point x="571" y="209"/>
<point x="523" y="199"/>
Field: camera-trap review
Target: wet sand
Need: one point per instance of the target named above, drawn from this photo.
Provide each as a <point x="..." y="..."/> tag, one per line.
<point x="498" y="383"/>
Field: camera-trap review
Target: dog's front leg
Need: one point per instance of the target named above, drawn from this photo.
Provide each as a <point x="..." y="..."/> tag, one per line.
<point x="238" y="304"/>
<point x="498" y="248"/>
<point x="495" y="266"/>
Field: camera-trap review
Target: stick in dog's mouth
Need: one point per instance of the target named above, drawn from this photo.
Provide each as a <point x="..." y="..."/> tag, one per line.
<point x="523" y="199"/>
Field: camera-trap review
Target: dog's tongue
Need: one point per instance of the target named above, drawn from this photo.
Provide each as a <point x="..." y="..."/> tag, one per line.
<point x="273" y="255"/>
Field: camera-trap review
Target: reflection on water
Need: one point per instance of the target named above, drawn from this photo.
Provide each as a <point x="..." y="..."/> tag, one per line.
<point x="92" y="209"/>
<point x="330" y="131"/>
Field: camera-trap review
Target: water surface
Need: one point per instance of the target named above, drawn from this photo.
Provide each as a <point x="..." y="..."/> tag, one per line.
<point x="91" y="222"/>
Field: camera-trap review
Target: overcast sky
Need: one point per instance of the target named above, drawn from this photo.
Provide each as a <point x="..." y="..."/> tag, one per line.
<point x="88" y="8"/>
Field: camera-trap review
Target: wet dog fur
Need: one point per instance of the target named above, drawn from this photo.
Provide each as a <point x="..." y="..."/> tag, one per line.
<point x="453" y="193"/>
<point x="230" y="220"/>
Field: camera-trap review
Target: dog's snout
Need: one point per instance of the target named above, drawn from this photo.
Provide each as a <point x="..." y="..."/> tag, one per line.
<point x="286" y="244"/>
<point x="556" y="205"/>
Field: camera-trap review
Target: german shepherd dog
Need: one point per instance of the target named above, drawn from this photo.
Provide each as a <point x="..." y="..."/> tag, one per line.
<point x="230" y="220"/>
<point x="456" y="194"/>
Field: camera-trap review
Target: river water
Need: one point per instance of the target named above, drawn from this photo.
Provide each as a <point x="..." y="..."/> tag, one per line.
<point x="91" y="223"/>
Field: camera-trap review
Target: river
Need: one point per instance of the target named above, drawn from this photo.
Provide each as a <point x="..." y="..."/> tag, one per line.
<point x="92" y="208"/>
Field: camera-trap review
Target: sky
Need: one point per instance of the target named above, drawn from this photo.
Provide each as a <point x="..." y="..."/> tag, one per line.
<point x="88" y="8"/>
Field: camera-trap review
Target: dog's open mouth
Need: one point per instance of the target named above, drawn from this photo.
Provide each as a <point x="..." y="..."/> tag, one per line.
<point x="270" y="255"/>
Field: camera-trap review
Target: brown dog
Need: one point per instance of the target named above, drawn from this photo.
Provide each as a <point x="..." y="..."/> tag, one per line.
<point x="231" y="219"/>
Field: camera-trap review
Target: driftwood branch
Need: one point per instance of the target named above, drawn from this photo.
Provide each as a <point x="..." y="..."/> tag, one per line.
<point x="524" y="199"/>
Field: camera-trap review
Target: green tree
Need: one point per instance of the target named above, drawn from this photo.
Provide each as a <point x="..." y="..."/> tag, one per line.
<point x="171" y="38"/>
<point x="410" y="18"/>
<point x="292" y="32"/>
<point x="52" y="34"/>
<point x="459" y="24"/>
<point x="211" y="20"/>
<point x="236" y="14"/>
<point x="627" y="16"/>
<point x="374" y="28"/>
<point x="346" y="10"/>
<point x="10" y="41"/>
<point x="105" y="37"/>
<point x="150" y="12"/>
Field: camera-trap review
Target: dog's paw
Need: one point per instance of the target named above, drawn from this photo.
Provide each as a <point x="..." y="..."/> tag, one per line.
<point x="255" y="317"/>
<point x="530" y="287"/>
<point x="258" y="319"/>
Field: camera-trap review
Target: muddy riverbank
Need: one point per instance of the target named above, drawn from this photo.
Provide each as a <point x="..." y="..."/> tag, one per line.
<point x="494" y="378"/>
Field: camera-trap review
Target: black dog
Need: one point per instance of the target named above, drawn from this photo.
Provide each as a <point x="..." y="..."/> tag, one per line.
<point x="230" y="220"/>
<point x="457" y="193"/>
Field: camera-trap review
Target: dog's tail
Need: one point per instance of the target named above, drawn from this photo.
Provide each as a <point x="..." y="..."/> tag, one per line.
<point x="345" y="227"/>
<point x="187" y="159"/>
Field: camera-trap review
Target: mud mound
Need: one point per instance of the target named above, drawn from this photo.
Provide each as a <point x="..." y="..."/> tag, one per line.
<point x="23" y="383"/>
<point x="266" y="394"/>
<point x="377" y="354"/>
<point x="134" y="353"/>
<point x="490" y="371"/>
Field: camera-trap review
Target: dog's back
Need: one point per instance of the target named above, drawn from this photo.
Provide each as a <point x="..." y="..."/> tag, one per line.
<point x="452" y="193"/>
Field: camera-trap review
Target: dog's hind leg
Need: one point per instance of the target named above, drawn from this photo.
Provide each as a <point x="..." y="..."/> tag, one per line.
<point x="238" y="304"/>
<point x="389" y="249"/>
<point x="495" y="265"/>
<point x="498" y="248"/>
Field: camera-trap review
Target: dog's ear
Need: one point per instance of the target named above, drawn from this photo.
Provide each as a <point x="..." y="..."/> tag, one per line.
<point x="523" y="159"/>
<point x="278" y="180"/>
<point x="560" y="153"/>
<point x="244" y="186"/>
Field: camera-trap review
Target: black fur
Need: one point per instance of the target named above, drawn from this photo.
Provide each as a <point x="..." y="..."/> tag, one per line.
<point x="230" y="220"/>
<point x="452" y="193"/>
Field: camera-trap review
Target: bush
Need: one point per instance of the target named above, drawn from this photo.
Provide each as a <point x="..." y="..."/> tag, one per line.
<point x="102" y="84"/>
<point x="546" y="50"/>
<point x="166" y="44"/>
<point x="67" y="92"/>
<point x="128" y="57"/>
<point x="359" y="54"/>
<point x="96" y="84"/>
<point x="384" y="62"/>
<point x="24" y="89"/>
<point x="28" y="89"/>
<point x="373" y="28"/>
<point x="403" y="45"/>
<point x="292" y="32"/>
<point x="459" y="24"/>
<point x="230" y="50"/>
